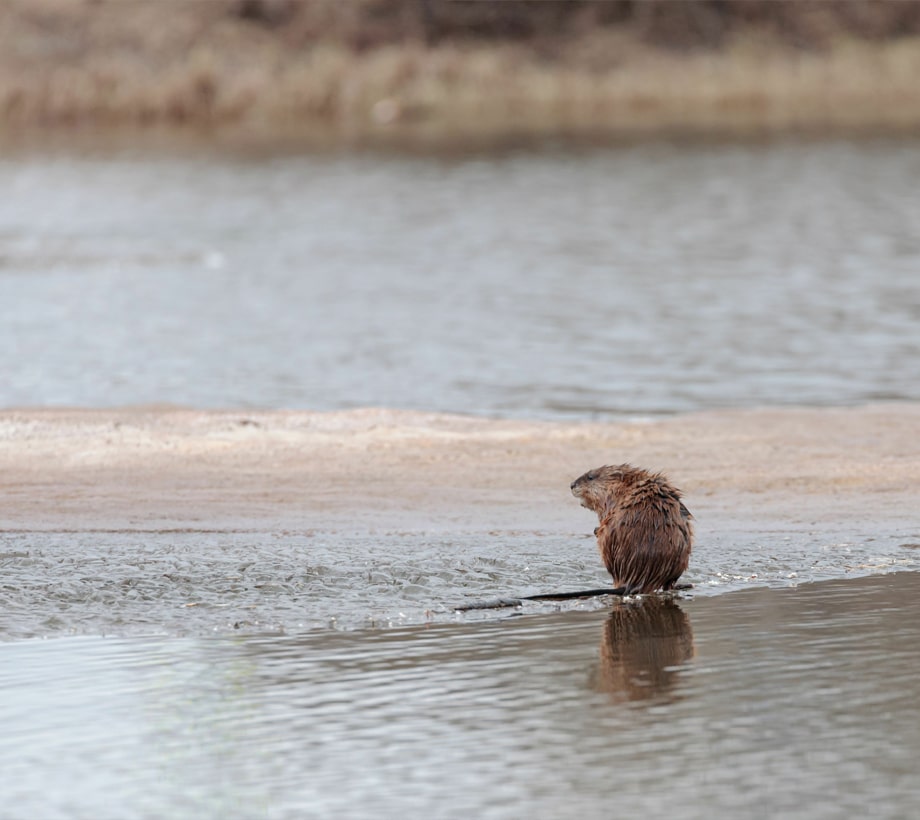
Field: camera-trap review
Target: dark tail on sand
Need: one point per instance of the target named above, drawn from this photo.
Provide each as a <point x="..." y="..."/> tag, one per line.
<point x="507" y="603"/>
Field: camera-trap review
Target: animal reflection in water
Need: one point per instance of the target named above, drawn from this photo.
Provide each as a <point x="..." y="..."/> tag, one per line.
<point x="643" y="645"/>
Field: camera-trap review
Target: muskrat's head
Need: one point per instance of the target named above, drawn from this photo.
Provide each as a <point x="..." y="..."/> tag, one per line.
<point x="597" y="489"/>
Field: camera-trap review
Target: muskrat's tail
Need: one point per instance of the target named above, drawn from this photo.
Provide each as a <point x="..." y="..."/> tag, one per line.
<point x="507" y="603"/>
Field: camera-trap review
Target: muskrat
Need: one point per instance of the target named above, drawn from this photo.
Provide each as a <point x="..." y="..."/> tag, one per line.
<point x="645" y="530"/>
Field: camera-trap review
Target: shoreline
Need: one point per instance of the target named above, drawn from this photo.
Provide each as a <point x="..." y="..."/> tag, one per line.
<point x="696" y="605"/>
<point x="195" y="522"/>
<point x="426" y="141"/>
<point x="800" y="688"/>
<point x="155" y="469"/>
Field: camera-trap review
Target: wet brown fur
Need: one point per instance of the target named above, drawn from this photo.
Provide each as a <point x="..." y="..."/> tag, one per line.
<point x="645" y="531"/>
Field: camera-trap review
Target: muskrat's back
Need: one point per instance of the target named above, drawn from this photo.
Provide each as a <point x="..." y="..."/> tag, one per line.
<point x="645" y="531"/>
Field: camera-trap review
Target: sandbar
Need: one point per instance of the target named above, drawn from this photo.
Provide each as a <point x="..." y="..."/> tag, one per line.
<point x="165" y="468"/>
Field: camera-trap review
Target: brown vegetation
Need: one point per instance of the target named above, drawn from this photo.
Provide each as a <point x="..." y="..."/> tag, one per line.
<point x="369" y="65"/>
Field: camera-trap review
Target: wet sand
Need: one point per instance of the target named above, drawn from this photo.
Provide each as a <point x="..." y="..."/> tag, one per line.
<point x="177" y="522"/>
<point x="158" y="469"/>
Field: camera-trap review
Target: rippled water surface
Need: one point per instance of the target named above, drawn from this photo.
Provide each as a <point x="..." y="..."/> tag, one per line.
<point x="546" y="283"/>
<point x="795" y="703"/>
<point x="221" y="673"/>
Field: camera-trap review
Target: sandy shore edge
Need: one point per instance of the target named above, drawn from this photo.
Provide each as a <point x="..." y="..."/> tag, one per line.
<point x="159" y="468"/>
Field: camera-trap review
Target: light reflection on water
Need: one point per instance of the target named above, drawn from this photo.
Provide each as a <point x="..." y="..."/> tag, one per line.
<point x="796" y="702"/>
<point x="545" y="283"/>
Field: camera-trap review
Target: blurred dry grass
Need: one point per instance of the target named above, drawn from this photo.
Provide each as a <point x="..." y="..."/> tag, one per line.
<point x="372" y="64"/>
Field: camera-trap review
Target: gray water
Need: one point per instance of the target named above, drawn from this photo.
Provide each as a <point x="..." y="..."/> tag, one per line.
<point x="262" y="674"/>
<point x="792" y="703"/>
<point x="542" y="283"/>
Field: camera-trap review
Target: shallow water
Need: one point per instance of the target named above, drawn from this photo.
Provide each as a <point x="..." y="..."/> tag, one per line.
<point x="795" y="703"/>
<point x="202" y="583"/>
<point x="544" y="283"/>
